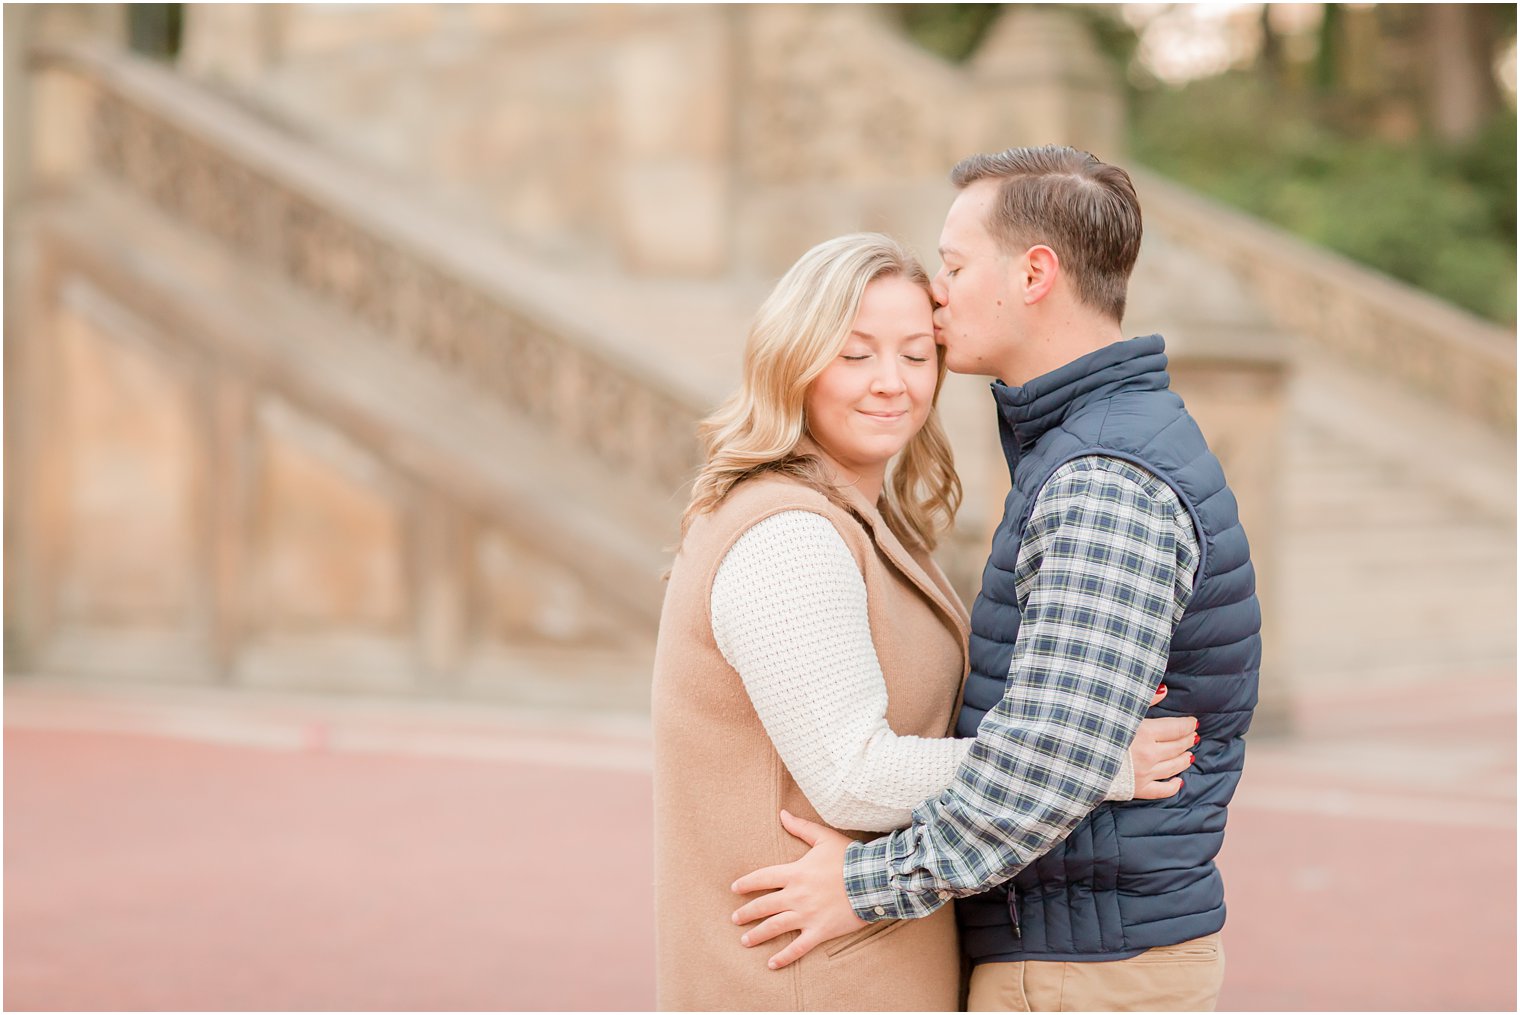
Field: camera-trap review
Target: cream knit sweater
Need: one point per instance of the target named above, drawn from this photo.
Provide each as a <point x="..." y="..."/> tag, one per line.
<point x="789" y="614"/>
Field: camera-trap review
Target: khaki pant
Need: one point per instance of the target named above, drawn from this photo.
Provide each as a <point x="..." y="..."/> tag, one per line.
<point x="1184" y="977"/>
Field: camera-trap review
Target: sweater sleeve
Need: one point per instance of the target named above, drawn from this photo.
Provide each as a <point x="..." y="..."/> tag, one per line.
<point x="789" y="614"/>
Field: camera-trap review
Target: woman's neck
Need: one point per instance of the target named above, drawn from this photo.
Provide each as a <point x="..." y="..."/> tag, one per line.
<point x="867" y="482"/>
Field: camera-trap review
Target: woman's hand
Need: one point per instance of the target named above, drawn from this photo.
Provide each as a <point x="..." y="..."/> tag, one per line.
<point x="1161" y="750"/>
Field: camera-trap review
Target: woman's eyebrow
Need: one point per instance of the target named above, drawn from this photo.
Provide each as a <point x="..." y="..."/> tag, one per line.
<point x="857" y="333"/>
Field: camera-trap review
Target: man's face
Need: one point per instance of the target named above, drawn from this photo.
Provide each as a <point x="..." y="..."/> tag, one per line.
<point x="979" y="311"/>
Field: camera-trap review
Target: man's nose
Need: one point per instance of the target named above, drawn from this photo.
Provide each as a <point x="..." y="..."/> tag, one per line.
<point x="937" y="289"/>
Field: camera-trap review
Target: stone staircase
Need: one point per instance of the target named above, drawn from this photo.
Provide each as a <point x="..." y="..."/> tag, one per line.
<point x="403" y="468"/>
<point x="547" y="407"/>
<point x="1398" y="557"/>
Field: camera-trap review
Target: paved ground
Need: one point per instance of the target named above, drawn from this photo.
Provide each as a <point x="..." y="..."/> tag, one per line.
<point x="198" y="850"/>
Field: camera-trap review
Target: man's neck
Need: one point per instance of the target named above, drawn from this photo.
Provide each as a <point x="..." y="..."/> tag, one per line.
<point x="1057" y="343"/>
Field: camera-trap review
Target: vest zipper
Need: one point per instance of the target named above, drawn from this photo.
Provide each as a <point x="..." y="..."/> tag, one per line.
<point x="1013" y="914"/>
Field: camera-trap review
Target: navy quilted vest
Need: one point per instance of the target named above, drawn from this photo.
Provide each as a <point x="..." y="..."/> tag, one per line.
<point x="1139" y="874"/>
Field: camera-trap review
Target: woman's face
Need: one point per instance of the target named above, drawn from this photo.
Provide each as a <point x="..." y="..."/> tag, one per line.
<point x="876" y="394"/>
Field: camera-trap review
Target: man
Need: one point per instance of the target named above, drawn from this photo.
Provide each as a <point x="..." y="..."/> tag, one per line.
<point x="1119" y="565"/>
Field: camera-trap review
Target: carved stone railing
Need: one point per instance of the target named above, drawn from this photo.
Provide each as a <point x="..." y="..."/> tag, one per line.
<point x="357" y="243"/>
<point x="1453" y="356"/>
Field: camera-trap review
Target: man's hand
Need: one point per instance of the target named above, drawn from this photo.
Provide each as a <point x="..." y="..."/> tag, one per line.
<point x="1162" y="749"/>
<point x="809" y="896"/>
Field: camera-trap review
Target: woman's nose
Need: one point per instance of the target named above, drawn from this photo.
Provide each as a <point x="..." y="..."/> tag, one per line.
<point x="888" y="380"/>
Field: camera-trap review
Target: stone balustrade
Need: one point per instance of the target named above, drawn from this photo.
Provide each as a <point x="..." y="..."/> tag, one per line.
<point x="282" y="425"/>
<point x="370" y="252"/>
<point x="354" y="243"/>
<point x="1374" y="321"/>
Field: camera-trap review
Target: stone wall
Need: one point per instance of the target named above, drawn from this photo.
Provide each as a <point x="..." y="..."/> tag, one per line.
<point x="670" y="137"/>
<point x="321" y="544"/>
<point x="707" y="140"/>
<point x="1380" y="325"/>
<point x="286" y="370"/>
<point x="273" y="433"/>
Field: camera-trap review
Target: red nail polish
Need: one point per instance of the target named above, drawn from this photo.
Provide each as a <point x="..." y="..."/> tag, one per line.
<point x="1195" y="740"/>
<point x="1190" y="759"/>
<point x="1161" y="689"/>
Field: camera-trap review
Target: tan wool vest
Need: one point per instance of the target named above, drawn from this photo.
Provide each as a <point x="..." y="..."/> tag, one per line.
<point x="719" y="784"/>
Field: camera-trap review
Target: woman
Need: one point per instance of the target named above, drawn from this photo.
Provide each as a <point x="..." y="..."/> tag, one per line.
<point x="810" y="652"/>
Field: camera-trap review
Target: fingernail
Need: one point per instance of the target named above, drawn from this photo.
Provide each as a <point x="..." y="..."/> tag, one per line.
<point x="744" y="940"/>
<point x="1195" y="740"/>
<point x="771" y="963"/>
<point x="1190" y="759"/>
<point x="735" y="918"/>
<point x="1161" y="689"/>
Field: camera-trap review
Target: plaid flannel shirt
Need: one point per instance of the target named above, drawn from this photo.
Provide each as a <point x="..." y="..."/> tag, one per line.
<point x="1103" y="575"/>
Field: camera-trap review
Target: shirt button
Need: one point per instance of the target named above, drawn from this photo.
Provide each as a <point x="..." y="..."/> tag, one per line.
<point x="943" y="896"/>
<point x="880" y="911"/>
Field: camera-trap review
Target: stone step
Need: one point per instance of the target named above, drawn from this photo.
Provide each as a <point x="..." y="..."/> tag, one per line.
<point x="1390" y="522"/>
<point x="607" y="529"/>
<point x="1405" y="616"/>
<point x="1337" y="543"/>
<point x="1349" y="414"/>
<point x="1340" y="498"/>
<point x="1313" y="482"/>
<point x="1398" y="549"/>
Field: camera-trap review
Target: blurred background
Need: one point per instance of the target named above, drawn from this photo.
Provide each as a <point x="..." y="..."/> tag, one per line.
<point x="352" y="360"/>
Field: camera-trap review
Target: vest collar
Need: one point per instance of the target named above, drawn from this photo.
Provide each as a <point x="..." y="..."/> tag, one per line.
<point x="1027" y="412"/>
<point x="918" y="571"/>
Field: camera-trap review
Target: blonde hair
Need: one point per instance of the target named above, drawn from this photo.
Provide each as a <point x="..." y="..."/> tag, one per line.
<point x="798" y="331"/>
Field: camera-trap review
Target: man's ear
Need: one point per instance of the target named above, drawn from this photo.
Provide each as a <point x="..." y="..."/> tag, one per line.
<point x="1041" y="269"/>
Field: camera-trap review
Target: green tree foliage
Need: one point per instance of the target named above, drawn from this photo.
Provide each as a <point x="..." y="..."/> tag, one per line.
<point x="1437" y="217"/>
<point x="155" y="29"/>
<point x="951" y="30"/>
<point x="1341" y="151"/>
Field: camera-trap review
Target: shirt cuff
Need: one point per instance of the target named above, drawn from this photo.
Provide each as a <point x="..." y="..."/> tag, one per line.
<point x="868" y="883"/>
<point x="1123" y="786"/>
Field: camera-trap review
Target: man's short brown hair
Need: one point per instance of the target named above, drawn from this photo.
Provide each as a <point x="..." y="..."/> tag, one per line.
<point x="1083" y="209"/>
